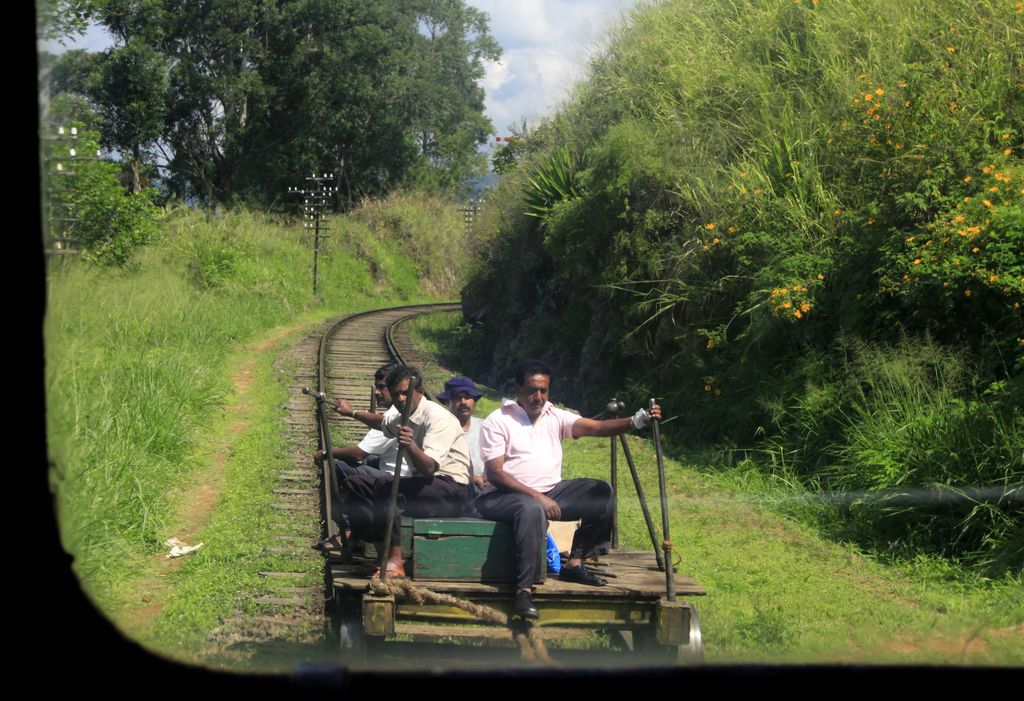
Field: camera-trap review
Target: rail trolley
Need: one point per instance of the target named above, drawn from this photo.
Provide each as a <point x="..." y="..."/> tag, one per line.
<point x="645" y="606"/>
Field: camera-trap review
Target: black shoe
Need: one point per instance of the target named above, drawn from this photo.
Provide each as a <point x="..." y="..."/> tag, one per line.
<point x="581" y="575"/>
<point x="524" y="606"/>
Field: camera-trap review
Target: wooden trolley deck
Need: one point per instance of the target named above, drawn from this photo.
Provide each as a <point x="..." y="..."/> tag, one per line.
<point x="633" y="601"/>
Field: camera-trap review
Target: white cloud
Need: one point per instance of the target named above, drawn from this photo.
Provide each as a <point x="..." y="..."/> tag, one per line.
<point x="95" y="38"/>
<point x="547" y="44"/>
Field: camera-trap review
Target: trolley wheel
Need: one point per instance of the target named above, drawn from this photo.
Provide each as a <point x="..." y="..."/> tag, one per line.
<point x="349" y="627"/>
<point x="693" y="651"/>
<point x="646" y="643"/>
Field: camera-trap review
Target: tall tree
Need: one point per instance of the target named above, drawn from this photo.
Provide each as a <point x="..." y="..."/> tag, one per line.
<point x="446" y="100"/>
<point x="259" y="94"/>
<point x="129" y="87"/>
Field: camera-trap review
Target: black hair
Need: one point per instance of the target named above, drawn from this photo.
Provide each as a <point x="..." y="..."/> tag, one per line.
<point x="529" y="368"/>
<point x="401" y="372"/>
<point x="383" y="371"/>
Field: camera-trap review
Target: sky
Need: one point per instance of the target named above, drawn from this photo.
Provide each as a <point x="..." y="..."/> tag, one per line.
<point x="546" y="45"/>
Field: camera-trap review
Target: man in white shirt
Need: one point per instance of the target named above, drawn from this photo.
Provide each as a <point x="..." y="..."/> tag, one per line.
<point x="374" y="455"/>
<point x="521" y="444"/>
<point x="435" y="447"/>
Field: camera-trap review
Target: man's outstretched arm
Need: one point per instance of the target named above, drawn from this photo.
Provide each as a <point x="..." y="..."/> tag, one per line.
<point x="613" y="427"/>
<point x="351" y="454"/>
<point x="344" y="407"/>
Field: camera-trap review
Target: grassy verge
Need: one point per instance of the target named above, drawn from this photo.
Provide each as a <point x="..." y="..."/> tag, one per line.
<point x="222" y="580"/>
<point x="778" y="591"/>
<point x="141" y="401"/>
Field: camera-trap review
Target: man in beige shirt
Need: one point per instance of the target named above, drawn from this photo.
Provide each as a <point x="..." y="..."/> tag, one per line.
<point x="435" y="447"/>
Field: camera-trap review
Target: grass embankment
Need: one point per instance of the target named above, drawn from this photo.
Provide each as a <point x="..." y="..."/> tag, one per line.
<point x="163" y="412"/>
<point x="801" y="225"/>
<point x="779" y="591"/>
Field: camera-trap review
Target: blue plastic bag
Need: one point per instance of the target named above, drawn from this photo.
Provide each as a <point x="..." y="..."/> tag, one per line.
<point x="554" y="559"/>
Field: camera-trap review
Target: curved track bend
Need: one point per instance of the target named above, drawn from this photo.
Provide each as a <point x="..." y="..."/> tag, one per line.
<point x="339" y="358"/>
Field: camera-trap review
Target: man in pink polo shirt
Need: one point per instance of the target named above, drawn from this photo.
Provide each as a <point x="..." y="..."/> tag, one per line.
<point x="521" y="444"/>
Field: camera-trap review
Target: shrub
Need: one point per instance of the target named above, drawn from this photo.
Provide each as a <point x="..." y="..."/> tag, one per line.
<point x="110" y="223"/>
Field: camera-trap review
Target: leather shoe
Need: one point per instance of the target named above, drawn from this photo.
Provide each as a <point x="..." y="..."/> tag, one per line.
<point x="524" y="606"/>
<point x="581" y="575"/>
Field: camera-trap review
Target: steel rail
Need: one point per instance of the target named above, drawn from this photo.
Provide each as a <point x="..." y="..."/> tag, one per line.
<point x="328" y="342"/>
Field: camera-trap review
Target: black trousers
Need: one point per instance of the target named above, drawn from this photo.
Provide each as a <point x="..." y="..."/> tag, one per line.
<point x="367" y="497"/>
<point x="586" y="499"/>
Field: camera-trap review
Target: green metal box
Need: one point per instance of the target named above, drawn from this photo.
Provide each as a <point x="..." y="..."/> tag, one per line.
<point x="462" y="550"/>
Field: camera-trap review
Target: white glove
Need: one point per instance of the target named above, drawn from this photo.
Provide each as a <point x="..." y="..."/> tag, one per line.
<point x="641" y="419"/>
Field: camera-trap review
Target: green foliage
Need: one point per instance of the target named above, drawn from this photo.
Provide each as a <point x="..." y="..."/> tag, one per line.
<point x="211" y="252"/>
<point x="918" y="451"/>
<point x="246" y="98"/>
<point x="555" y="181"/>
<point x="135" y="366"/>
<point x="428" y="230"/>
<point x="759" y="187"/>
<point x="109" y="223"/>
<point x="507" y="157"/>
<point x="130" y="89"/>
<point x="449" y="341"/>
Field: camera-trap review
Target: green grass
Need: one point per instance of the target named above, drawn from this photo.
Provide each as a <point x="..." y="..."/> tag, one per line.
<point x="221" y="580"/>
<point x="137" y="371"/>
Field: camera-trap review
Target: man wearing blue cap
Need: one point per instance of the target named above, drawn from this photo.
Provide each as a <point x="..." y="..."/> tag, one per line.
<point x="460" y="395"/>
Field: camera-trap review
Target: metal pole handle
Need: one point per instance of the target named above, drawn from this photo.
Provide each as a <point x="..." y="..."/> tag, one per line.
<point x="613" y="408"/>
<point x="393" y="502"/>
<point x="670" y="586"/>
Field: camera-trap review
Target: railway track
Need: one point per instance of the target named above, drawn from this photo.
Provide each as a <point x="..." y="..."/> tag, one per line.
<point x="310" y="601"/>
<point x="339" y="359"/>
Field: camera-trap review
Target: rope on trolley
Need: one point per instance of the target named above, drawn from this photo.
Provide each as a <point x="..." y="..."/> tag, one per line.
<point x="527" y="636"/>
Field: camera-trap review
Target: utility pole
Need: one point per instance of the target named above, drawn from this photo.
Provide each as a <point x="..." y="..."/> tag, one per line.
<point x="315" y="198"/>
<point x="61" y="213"/>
